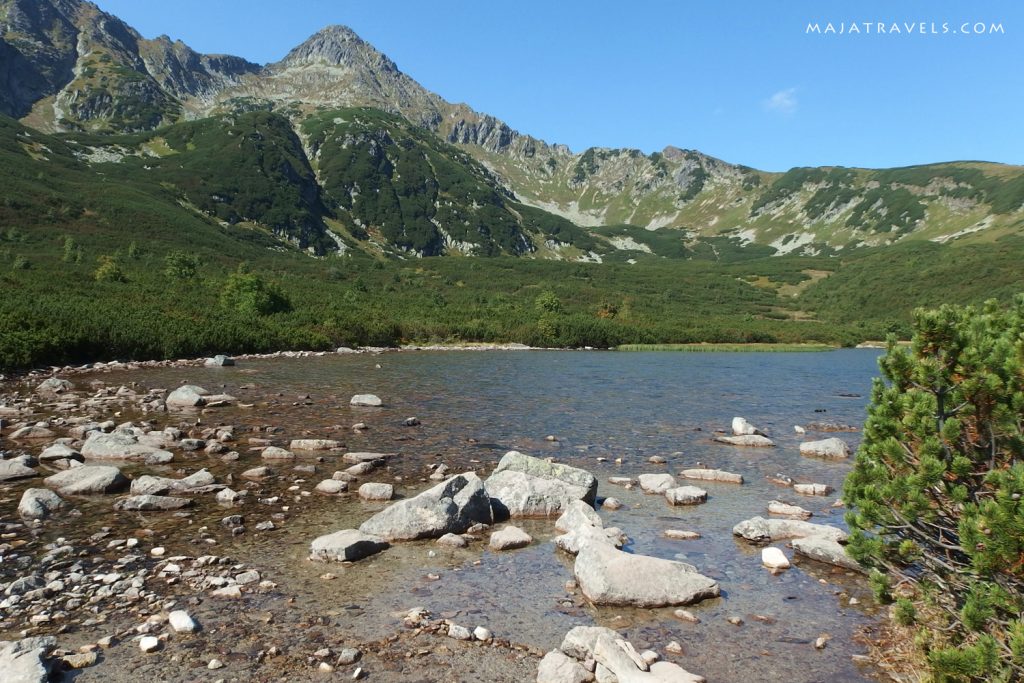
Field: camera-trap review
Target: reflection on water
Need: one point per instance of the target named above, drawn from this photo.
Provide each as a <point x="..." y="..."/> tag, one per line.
<point x="475" y="406"/>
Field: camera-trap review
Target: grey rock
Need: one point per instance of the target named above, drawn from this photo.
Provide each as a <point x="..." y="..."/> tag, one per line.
<point x="712" y="475"/>
<point x="17" y="468"/>
<point x="53" y="386"/>
<point x="686" y="495"/>
<point x="331" y="486"/>
<point x="761" y="530"/>
<point x="524" y="486"/>
<point x="510" y="538"/>
<point x="572" y="541"/>
<point x="187" y="396"/>
<point x="611" y="577"/>
<point x="825" y="550"/>
<point x="749" y="441"/>
<point x="157" y="486"/>
<point x="449" y="507"/>
<point x="777" y="507"/>
<point x="120" y="446"/>
<point x="577" y="513"/>
<point x="656" y="483"/>
<point x="580" y="641"/>
<point x="31" y="432"/>
<point x="376" y="491"/>
<point x="181" y="622"/>
<point x="26" y="661"/>
<point x="834" y="448"/>
<point x="219" y="361"/>
<point x="555" y="667"/>
<point x="812" y="489"/>
<point x="453" y="541"/>
<point x="152" y="503"/>
<point x="39" y="503"/>
<point x="59" y="451"/>
<point x="348" y="545"/>
<point x="366" y="400"/>
<point x="87" y="479"/>
<point x="256" y="473"/>
<point x="275" y="453"/>
<point x="314" y="444"/>
<point x="371" y="458"/>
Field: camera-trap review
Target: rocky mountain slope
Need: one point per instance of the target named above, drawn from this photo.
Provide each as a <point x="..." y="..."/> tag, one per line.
<point x="67" y="66"/>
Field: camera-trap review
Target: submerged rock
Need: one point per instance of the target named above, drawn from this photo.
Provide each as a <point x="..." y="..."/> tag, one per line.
<point x="524" y="486"/>
<point x="777" y="507"/>
<point x="449" y="507"/>
<point x="749" y="441"/>
<point x="611" y="577"/>
<point x="510" y="538"/>
<point x="314" y="444"/>
<point x="348" y="545"/>
<point x="376" y="491"/>
<point x="152" y="503"/>
<point x="712" y="475"/>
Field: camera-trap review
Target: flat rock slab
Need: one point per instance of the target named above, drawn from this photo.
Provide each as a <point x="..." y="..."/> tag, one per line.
<point x="748" y="440"/>
<point x="825" y="550"/>
<point x="59" y="451"/>
<point x="611" y="577"/>
<point x="524" y="486"/>
<point x="121" y="446"/>
<point x="372" y="458"/>
<point x="777" y="507"/>
<point x="686" y="495"/>
<point x="656" y="483"/>
<point x="314" y="445"/>
<point x="152" y="503"/>
<point x="510" y="538"/>
<point x="31" y="432"/>
<point x="158" y="486"/>
<point x="761" y="530"/>
<point x="712" y="475"/>
<point x="88" y="479"/>
<point x="275" y="453"/>
<point x="348" y="545"/>
<point x="449" y="507"/>
<point x="833" y="449"/>
<point x="812" y="489"/>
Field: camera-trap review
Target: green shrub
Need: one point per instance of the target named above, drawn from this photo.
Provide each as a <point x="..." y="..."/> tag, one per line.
<point x="109" y="270"/>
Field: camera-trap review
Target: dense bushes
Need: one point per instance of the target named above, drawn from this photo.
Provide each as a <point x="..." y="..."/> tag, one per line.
<point x="937" y="488"/>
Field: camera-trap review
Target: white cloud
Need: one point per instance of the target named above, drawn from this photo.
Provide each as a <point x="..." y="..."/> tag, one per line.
<point x="783" y="102"/>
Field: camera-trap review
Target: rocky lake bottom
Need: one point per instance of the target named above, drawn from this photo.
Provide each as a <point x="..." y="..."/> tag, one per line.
<point x="103" y="572"/>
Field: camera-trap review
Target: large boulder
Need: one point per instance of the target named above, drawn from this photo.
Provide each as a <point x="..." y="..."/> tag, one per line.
<point x="833" y="448"/>
<point x="612" y="577"/>
<point x="347" y="545"/>
<point x="187" y="396"/>
<point x="53" y="386"/>
<point x="449" y="507"/>
<point x="17" y="468"/>
<point x="87" y="479"/>
<point x="825" y="550"/>
<point x="761" y="530"/>
<point x="524" y="486"/>
<point x="158" y="486"/>
<point x="26" y="661"/>
<point x="121" y="446"/>
<point x="39" y="503"/>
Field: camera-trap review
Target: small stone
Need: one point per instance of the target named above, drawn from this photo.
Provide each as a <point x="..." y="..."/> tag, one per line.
<point x="736" y="621"/>
<point x="821" y="642"/>
<point x="510" y="538"/>
<point x="376" y="491"/>
<point x="149" y="643"/>
<point x="159" y="551"/>
<point x="411" y="421"/>
<point x="181" y="622"/>
<point x="459" y="632"/>
<point x="325" y="667"/>
<point x="482" y="634"/>
<point x="215" y="664"/>
<point x="674" y="647"/>
<point x="680" y="535"/>
<point x="366" y="400"/>
<point x="612" y="504"/>
<point x="80" y="660"/>
<point x="357" y="674"/>
<point x="331" y="486"/>
<point x="348" y="655"/>
<point x="774" y="558"/>
<point x="657" y="460"/>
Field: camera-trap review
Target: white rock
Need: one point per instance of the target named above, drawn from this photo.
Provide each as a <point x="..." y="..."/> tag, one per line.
<point x="459" y="632"/>
<point x="812" y="489"/>
<point x="656" y="483"/>
<point x="712" y="475"/>
<point x="748" y="440"/>
<point x="482" y="634"/>
<point x="774" y="558"/>
<point x="510" y="538"/>
<point x="686" y="495"/>
<point x="376" y="491"/>
<point x="740" y="427"/>
<point x="181" y="622"/>
<point x="368" y="400"/>
<point x="777" y="507"/>
<point x="149" y="643"/>
<point x="833" y="448"/>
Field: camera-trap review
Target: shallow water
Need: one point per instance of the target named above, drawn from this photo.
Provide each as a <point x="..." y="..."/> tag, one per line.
<point x="475" y="406"/>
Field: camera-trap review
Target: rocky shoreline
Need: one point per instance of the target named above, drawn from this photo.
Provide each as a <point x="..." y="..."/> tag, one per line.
<point x="125" y="496"/>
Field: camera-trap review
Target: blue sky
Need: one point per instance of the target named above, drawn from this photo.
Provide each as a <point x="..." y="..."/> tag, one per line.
<point x="742" y="80"/>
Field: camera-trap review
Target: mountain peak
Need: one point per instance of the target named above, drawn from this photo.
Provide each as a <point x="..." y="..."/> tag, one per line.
<point x="337" y="45"/>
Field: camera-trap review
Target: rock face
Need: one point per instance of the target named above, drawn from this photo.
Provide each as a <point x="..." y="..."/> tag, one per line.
<point x="749" y="441"/>
<point x="510" y="538"/>
<point x="611" y="577"/>
<point x="158" y="486"/>
<point x="449" y="507"/>
<point x="825" y="550"/>
<point x="187" y="396"/>
<point x="39" y="503"/>
<point x="712" y="475"/>
<point x="761" y="530"/>
<point x="120" y="446"/>
<point x="686" y="495"/>
<point x="833" y="448"/>
<point x="348" y="545"/>
<point x="17" y="468"/>
<point x="523" y="486"/>
<point x="87" y="479"/>
<point x="366" y="400"/>
<point x="656" y="483"/>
